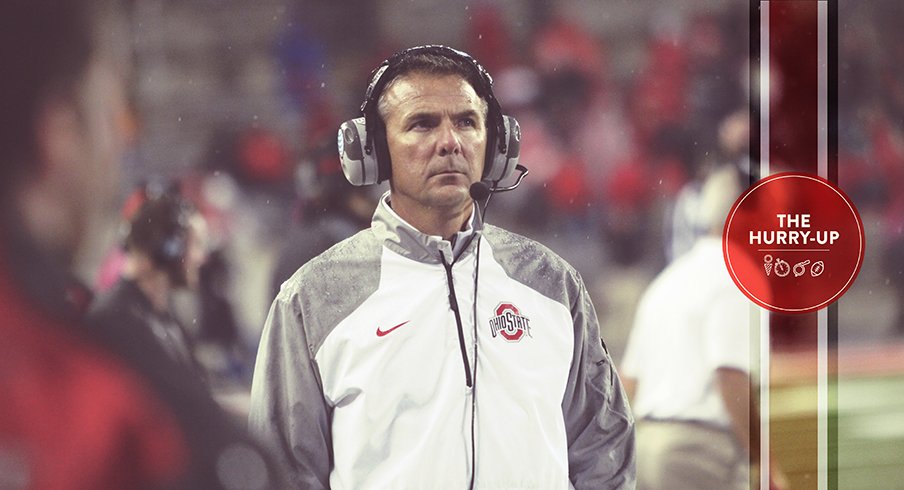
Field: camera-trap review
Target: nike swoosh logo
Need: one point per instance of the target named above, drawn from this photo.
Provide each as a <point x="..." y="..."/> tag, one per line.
<point x="381" y="333"/>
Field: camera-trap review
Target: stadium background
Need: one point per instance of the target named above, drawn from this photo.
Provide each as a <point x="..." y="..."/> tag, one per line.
<point x="621" y="102"/>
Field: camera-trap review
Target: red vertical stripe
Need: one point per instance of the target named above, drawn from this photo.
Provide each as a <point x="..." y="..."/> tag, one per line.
<point x="793" y="145"/>
<point x="793" y="126"/>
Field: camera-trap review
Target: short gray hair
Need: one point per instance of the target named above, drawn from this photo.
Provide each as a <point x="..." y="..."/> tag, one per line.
<point x="432" y="64"/>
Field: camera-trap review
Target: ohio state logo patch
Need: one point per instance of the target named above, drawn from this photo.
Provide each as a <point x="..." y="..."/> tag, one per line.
<point x="509" y="323"/>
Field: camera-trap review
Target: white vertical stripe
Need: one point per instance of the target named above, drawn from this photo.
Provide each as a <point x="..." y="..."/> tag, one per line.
<point x="822" y="378"/>
<point x="823" y="89"/>
<point x="757" y="366"/>
<point x="822" y="361"/>
<point x="764" y="89"/>
<point x="764" y="317"/>
<point x="765" y="372"/>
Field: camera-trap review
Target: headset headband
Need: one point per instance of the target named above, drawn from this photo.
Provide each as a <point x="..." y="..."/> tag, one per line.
<point x="379" y="78"/>
<point x="362" y="142"/>
<point x="388" y="70"/>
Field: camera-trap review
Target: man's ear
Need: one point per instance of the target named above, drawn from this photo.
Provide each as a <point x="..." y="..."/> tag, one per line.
<point x="58" y="137"/>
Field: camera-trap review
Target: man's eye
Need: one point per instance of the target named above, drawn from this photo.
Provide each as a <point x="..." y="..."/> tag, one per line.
<point x="468" y="122"/>
<point x="421" y="124"/>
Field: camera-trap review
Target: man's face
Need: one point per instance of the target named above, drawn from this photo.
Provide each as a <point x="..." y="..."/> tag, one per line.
<point x="87" y="153"/>
<point x="195" y="250"/>
<point x="436" y="134"/>
<point x="80" y="144"/>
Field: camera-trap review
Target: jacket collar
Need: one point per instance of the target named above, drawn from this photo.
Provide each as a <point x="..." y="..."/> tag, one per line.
<point x="399" y="236"/>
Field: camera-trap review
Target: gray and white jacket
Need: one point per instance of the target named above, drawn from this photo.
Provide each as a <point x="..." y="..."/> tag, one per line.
<point x="368" y="377"/>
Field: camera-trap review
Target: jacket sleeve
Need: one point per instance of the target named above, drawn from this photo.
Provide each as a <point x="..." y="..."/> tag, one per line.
<point x="288" y="411"/>
<point x="598" y="421"/>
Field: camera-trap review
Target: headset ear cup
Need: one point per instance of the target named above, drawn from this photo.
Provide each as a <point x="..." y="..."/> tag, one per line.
<point x="381" y="151"/>
<point x="506" y="152"/>
<point x="359" y="164"/>
<point x="170" y="257"/>
<point x="172" y="250"/>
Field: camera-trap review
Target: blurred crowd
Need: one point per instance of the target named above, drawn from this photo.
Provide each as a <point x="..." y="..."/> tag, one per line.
<point x="609" y="154"/>
<point x="618" y="132"/>
<point x="620" y="129"/>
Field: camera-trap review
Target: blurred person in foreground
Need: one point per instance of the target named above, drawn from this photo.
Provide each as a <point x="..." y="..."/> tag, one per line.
<point x="431" y="351"/>
<point x="83" y="408"/>
<point x="687" y="365"/>
<point x="164" y="249"/>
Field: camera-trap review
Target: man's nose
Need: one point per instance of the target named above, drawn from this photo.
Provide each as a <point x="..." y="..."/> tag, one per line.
<point x="449" y="142"/>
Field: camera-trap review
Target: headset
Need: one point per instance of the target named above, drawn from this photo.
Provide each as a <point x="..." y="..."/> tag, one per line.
<point x="362" y="141"/>
<point x="157" y="223"/>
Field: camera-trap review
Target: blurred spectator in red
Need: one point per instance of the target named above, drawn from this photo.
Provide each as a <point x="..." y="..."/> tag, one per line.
<point x="660" y="93"/>
<point x="583" y="123"/>
<point x="565" y="98"/>
<point x="84" y="408"/>
<point x="560" y="45"/>
<point x="489" y="39"/>
<point x="256" y="158"/>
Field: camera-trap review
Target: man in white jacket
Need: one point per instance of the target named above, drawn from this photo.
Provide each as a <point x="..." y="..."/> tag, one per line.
<point x="687" y="365"/>
<point x="431" y="351"/>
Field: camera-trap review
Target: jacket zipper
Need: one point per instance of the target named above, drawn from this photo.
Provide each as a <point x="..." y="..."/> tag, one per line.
<point x="453" y="303"/>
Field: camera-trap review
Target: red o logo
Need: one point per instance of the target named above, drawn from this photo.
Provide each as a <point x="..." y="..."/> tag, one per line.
<point x="512" y="337"/>
<point x="509" y="323"/>
<point x="503" y="307"/>
<point x="793" y="243"/>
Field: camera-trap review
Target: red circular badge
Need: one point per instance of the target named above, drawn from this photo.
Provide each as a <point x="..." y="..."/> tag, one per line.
<point x="793" y="243"/>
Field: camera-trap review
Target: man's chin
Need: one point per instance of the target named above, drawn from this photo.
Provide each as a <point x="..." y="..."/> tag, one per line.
<point x="450" y="196"/>
<point x="451" y="178"/>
